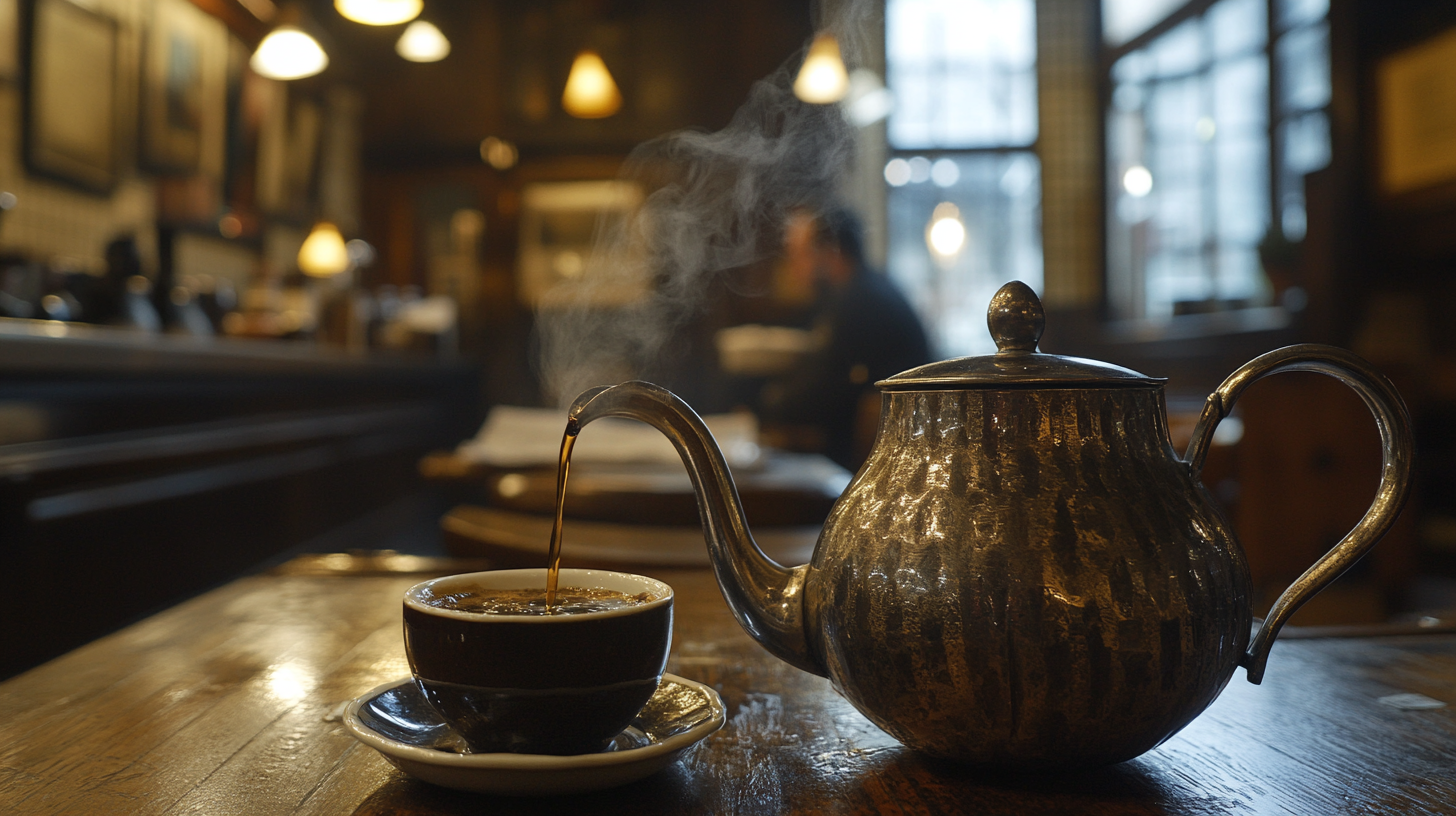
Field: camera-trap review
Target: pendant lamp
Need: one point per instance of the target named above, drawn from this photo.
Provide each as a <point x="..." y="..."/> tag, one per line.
<point x="422" y="42"/>
<point x="379" y="12"/>
<point x="288" y="53"/>
<point x="822" y="80"/>
<point x="323" y="253"/>
<point x="590" y="93"/>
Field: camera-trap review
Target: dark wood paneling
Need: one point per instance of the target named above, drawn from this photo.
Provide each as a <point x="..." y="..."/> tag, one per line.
<point x="135" y="471"/>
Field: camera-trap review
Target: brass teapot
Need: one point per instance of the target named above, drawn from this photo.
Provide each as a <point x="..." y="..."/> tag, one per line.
<point x="1023" y="574"/>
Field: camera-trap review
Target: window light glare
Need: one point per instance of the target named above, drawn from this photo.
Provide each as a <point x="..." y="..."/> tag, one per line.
<point x="945" y="172"/>
<point x="1205" y="128"/>
<point x="822" y="80"/>
<point x="946" y="234"/>
<point x="288" y="53"/>
<point x="1137" y="181"/>
<point x="897" y="172"/>
<point x="868" y="100"/>
<point x="422" y="42"/>
<point x="919" y="170"/>
<point x="380" y="12"/>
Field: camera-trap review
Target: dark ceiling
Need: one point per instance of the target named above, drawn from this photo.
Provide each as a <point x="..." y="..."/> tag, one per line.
<point x="679" y="63"/>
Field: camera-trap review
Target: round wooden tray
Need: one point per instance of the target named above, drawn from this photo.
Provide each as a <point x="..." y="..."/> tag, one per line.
<point x="782" y="490"/>
<point x="510" y="539"/>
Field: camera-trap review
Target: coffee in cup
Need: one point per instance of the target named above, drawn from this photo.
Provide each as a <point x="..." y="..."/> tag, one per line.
<point x="509" y="675"/>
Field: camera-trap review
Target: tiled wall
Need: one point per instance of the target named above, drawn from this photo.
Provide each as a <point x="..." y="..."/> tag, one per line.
<point x="53" y="221"/>
<point x="1069" y="146"/>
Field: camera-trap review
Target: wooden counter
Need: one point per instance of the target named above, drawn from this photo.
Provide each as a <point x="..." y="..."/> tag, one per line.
<point x="225" y="703"/>
<point x="138" y="469"/>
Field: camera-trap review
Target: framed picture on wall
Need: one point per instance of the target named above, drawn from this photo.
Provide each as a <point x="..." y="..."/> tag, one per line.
<point x="9" y="39"/>
<point x="1417" y="90"/>
<point x="183" y="90"/>
<point x="569" y="253"/>
<point x="71" y="99"/>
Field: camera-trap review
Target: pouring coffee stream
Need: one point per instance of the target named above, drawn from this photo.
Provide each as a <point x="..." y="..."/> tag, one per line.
<point x="563" y="470"/>
<point x="1023" y="574"/>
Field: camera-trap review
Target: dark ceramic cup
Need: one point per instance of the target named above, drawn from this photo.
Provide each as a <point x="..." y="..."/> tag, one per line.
<point x="538" y="684"/>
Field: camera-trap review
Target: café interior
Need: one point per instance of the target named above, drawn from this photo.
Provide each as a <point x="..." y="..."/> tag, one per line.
<point x="277" y="279"/>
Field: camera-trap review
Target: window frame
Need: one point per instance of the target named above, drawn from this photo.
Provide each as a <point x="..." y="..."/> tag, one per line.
<point x="1008" y="149"/>
<point x="1233" y="320"/>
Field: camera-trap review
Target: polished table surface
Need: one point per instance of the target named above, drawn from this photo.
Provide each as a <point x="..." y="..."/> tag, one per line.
<point x="226" y="704"/>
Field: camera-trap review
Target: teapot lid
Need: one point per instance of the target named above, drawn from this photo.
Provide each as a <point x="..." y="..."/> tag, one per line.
<point x="1016" y="320"/>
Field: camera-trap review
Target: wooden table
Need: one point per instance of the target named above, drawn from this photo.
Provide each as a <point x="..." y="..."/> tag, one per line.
<point x="222" y="705"/>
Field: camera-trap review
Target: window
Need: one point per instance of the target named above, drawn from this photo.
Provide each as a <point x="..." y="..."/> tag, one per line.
<point x="1302" y="121"/>
<point x="964" y="182"/>
<point x="1211" y="127"/>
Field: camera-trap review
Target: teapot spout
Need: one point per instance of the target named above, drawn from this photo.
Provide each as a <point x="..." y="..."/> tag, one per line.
<point x="767" y="599"/>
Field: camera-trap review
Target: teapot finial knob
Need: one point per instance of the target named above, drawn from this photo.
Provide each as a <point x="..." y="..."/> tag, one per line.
<point x="1015" y="318"/>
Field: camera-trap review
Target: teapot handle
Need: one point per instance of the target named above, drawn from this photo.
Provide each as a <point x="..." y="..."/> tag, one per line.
<point x="1396" y="445"/>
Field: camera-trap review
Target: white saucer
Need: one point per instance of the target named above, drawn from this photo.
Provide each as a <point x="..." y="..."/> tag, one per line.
<point x="395" y="720"/>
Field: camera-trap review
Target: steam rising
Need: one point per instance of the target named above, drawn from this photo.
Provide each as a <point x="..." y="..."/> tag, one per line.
<point x="722" y="208"/>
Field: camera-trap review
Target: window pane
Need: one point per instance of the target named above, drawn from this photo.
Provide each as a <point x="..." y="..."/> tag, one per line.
<point x="1176" y="277"/>
<point x="1242" y="189"/>
<point x="1291" y="13"/>
<point x="1123" y="20"/>
<point x="1241" y="97"/>
<point x="963" y="73"/>
<point x="1237" y="27"/>
<point x="1306" y="142"/>
<point x="1196" y="125"/>
<point x="1238" y="276"/>
<point x="1304" y="66"/>
<point x="1180" y="51"/>
<point x="999" y="200"/>
<point x="1173" y="111"/>
<point x="1178" y="183"/>
<point x="1135" y="67"/>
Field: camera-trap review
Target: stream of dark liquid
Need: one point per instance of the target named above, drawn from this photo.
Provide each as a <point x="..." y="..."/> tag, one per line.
<point x="553" y="557"/>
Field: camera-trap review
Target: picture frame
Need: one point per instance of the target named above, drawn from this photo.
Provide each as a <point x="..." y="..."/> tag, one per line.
<point x="289" y="130"/>
<point x="9" y="40"/>
<point x="572" y="249"/>
<point x="183" y="111"/>
<point x="1417" y="116"/>
<point x="71" y="100"/>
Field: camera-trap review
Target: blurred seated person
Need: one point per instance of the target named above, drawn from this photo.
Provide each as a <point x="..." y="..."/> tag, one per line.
<point x="864" y="330"/>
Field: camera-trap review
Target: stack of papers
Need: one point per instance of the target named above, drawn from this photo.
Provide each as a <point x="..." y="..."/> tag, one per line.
<point x="523" y="437"/>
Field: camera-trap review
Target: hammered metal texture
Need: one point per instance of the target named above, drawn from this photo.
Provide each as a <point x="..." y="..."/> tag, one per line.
<point x="1028" y="578"/>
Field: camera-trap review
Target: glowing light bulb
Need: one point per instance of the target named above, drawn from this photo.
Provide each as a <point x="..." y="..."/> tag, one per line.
<point x="422" y="42"/>
<point x="590" y="93"/>
<point x="323" y="253"/>
<point x="288" y="53"/>
<point x="946" y="234"/>
<point x="822" y="80"/>
<point x="380" y="12"/>
<point x="1137" y="181"/>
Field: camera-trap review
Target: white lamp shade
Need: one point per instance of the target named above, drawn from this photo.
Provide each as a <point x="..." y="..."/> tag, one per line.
<point x="380" y="12"/>
<point x="323" y="253"/>
<point x="288" y="53"/>
<point x="822" y="80"/>
<point x="422" y="42"/>
<point x="590" y="93"/>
